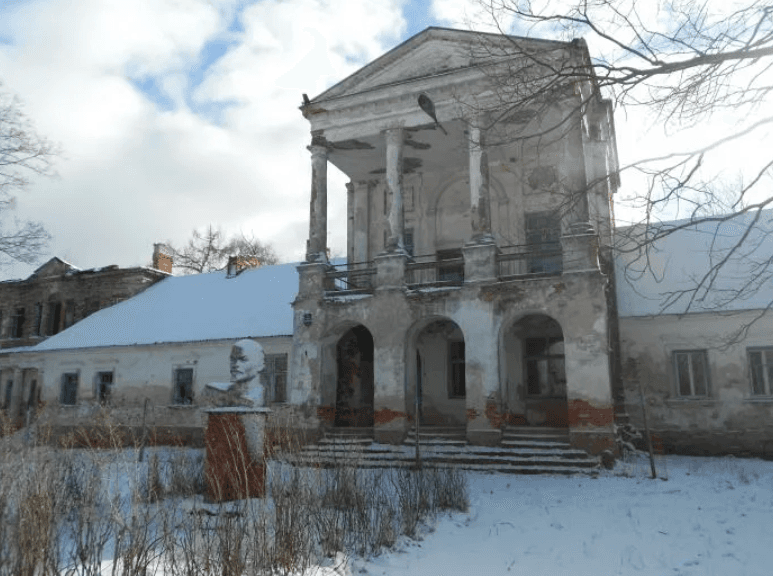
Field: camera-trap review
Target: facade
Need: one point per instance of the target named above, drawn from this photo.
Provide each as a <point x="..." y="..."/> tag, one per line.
<point x="702" y="358"/>
<point x="476" y="292"/>
<point x="145" y="363"/>
<point x="57" y="295"/>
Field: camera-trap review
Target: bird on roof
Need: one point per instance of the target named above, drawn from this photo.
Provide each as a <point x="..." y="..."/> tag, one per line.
<point x="426" y="104"/>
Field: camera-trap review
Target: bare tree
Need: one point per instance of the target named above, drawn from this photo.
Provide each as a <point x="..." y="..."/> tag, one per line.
<point x="22" y="153"/>
<point x="209" y="250"/>
<point x="700" y="72"/>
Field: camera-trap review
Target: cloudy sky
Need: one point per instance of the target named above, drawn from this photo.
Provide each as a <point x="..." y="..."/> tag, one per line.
<point x="173" y="114"/>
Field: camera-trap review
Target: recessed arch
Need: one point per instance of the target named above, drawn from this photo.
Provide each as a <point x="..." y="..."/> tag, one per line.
<point x="435" y="370"/>
<point x="533" y="371"/>
<point x="354" y="378"/>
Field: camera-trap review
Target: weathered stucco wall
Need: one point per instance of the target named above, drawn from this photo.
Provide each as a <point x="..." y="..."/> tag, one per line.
<point x="729" y="418"/>
<point x="142" y="391"/>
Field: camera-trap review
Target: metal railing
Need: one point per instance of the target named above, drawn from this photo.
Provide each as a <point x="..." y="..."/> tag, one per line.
<point x="354" y="278"/>
<point x="529" y="260"/>
<point x="429" y="270"/>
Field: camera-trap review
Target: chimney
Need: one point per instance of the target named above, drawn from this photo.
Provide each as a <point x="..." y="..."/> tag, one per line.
<point x="237" y="264"/>
<point x="163" y="258"/>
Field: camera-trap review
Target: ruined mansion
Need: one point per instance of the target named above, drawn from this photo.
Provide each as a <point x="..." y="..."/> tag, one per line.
<point x="481" y="287"/>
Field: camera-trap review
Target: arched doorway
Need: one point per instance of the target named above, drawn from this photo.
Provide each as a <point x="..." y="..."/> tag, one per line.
<point x="437" y="387"/>
<point x="535" y="373"/>
<point x="354" y="382"/>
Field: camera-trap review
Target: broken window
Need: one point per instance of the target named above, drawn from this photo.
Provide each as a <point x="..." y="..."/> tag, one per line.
<point x="692" y="376"/>
<point x="761" y="367"/>
<point x="183" y="386"/>
<point x="274" y="377"/>
<point x="69" y="389"/>
<point x="17" y="323"/>
<point x="544" y="363"/>
<point x="543" y="238"/>
<point x="104" y="386"/>
<point x="456" y="384"/>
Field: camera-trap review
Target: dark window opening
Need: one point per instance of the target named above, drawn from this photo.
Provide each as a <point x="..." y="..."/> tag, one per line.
<point x="183" y="386"/>
<point x="545" y="370"/>
<point x="761" y="363"/>
<point x="275" y="377"/>
<point x="450" y="266"/>
<point x="17" y="323"/>
<point x="691" y="373"/>
<point x="54" y="317"/>
<point x="69" y="314"/>
<point x="104" y="386"/>
<point x="456" y="382"/>
<point x="69" y="389"/>
<point x="8" y="394"/>
<point x="36" y="327"/>
<point x="409" y="241"/>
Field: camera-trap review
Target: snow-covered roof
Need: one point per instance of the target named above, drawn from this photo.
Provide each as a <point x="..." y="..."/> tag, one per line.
<point x="255" y="303"/>
<point x="663" y="279"/>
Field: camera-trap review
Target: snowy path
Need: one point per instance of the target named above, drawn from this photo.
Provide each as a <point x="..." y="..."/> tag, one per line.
<point x="713" y="516"/>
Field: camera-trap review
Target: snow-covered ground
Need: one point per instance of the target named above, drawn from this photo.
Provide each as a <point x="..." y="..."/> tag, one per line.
<point x="710" y="516"/>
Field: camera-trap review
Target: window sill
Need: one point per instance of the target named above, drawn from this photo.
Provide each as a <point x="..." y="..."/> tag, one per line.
<point x="759" y="400"/>
<point x="182" y="406"/>
<point x="686" y="401"/>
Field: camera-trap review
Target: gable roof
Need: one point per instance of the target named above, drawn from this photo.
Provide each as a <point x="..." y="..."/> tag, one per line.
<point x="662" y="280"/>
<point x="433" y="51"/>
<point x="256" y="302"/>
<point x="53" y="267"/>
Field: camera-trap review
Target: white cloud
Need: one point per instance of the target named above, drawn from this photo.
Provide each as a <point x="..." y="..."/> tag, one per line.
<point x="134" y="174"/>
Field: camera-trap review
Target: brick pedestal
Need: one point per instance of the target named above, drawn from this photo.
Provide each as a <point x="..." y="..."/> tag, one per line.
<point x="235" y="467"/>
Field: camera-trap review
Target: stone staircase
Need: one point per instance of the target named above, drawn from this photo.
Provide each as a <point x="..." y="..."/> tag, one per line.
<point x="526" y="450"/>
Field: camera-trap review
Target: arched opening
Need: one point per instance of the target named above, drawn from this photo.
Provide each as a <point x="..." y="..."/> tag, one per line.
<point x="436" y="379"/>
<point x="354" y="381"/>
<point x="535" y="373"/>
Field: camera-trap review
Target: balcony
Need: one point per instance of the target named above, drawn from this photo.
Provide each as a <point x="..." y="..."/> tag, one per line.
<point x="354" y="278"/>
<point x="529" y="260"/>
<point x="447" y="269"/>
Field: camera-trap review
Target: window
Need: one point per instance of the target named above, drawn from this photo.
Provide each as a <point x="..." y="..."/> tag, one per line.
<point x="104" y="386"/>
<point x="69" y="389"/>
<point x="183" y="386"/>
<point x="691" y="373"/>
<point x="543" y="237"/>
<point x="274" y="377"/>
<point x="17" y="323"/>
<point x="544" y="364"/>
<point x="38" y="319"/>
<point x="54" y="317"/>
<point x="761" y="364"/>
<point x="456" y="385"/>
<point x="69" y="314"/>
<point x="1" y="323"/>
<point x="450" y="266"/>
<point x="408" y="241"/>
<point x="8" y="394"/>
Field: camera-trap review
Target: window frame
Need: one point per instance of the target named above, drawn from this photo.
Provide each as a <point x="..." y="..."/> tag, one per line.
<point x="457" y="387"/>
<point x="103" y="391"/>
<point x="18" y="320"/>
<point x="767" y="375"/>
<point x="180" y="400"/>
<point x="544" y="242"/>
<point x="270" y="374"/>
<point x="703" y="355"/>
<point x="71" y="378"/>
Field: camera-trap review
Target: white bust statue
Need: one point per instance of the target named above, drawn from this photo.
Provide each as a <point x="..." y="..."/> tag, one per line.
<point x="247" y="362"/>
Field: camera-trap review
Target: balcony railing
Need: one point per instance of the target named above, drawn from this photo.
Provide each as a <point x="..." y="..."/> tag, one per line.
<point x="529" y="260"/>
<point x="430" y="270"/>
<point x="354" y="278"/>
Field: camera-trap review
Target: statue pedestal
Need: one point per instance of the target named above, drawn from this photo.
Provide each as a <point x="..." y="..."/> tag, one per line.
<point x="235" y="466"/>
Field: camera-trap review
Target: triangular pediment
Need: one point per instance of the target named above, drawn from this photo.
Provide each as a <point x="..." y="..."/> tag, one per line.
<point x="54" y="267"/>
<point x="430" y="52"/>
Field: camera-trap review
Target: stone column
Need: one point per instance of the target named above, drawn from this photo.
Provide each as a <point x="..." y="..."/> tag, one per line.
<point x="316" y="250"/>
<point x="350" y="222"/>
<point x="480" y="200"/>
<point x="362" y="193"/>
<point x="16" y="395"/>
<point x="394" y="182"/>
